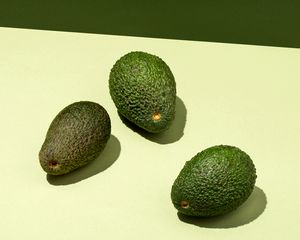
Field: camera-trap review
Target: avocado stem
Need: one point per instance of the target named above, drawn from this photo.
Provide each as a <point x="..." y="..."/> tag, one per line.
<point x="184" y="204"/>
<point x="156" y="116"/>
<point x="53" y="164"/>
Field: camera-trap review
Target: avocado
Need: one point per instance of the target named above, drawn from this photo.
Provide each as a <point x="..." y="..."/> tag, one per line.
<point x="214" y="182"/>
<point x="143" y="89"/>
<point x="76" y="136"/>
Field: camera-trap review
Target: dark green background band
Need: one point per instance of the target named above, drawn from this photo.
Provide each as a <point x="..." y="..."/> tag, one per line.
<point x="259" y="22"/>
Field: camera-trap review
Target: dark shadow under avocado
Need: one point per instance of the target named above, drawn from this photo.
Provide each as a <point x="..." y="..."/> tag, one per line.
<point x="171" y="135"/>
<point x="246" y="213"/>
<point x="107" y="158"/>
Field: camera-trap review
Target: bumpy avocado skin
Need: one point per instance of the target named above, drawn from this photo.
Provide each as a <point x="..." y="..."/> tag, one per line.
<point x="76" y="136"/>
<point x="142" y="86"/>
<point x="214" y="182"/>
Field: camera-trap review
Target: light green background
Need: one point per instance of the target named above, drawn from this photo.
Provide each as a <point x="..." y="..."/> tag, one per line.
<point x="247" y="96"/>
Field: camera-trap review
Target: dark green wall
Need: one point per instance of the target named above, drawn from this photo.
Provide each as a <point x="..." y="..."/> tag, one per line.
<point x="260" y="22"/>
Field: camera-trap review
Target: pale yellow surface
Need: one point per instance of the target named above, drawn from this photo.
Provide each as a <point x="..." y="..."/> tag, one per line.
<point x="247" y="96"/>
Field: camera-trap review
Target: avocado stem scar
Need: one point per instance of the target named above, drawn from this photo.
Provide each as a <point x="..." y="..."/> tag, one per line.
<point x="53" y="164"/>
<point x="184" y="204"/>
<point x="156" y="116"/>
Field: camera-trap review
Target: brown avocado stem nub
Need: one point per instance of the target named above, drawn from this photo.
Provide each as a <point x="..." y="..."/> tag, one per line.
<point x="156" y="116"/>
<point x="184" y="204"/>
<point x="53" y="164"/>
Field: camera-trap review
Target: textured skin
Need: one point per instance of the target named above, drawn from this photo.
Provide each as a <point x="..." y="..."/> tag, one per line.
<point x="75" y="137"/>
<point x="141" y="85"/>
<point x="214" y="182"/>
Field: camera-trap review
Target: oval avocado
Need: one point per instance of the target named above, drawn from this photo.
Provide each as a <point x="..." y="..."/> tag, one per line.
<point x="214" y="182"/>
<point x="143" y="89"/>
<point x="76" y="136"/>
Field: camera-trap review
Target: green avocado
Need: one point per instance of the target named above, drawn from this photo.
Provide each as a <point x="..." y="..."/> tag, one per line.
<point x="214" y="182"/>
<point x="143" y="89"/>
<point x="76" y="136"/>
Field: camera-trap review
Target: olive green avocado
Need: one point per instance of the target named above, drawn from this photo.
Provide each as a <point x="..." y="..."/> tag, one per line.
<point x="76" y="136"/>
<point x="214" y="182"/>
<point x="143" y="89"/>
